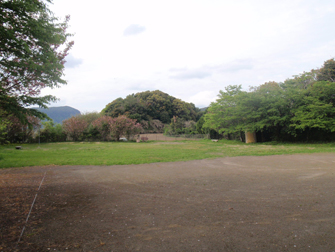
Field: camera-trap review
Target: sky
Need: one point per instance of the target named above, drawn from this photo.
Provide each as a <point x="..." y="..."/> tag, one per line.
<point x="189" y="49"/>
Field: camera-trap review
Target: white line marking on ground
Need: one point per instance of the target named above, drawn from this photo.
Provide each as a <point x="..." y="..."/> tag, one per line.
<point x="31" y="208"/>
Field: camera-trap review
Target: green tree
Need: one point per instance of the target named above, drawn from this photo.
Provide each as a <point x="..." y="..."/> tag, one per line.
<point x="51" y="132"/>
<point x="263" y="109"/>
<point x="4" y="125"/>
<point x="115" y="108"/>
<point x="327" y="72"/>
<point x="301" y="81"/>
<point x="224" y="115"/>
<point x="317" y="110"/>
<point x="267" y="109"/>
<point x="151" y="105"/>
<point x="301" y="108"/>
<point x="164" y="117"/>
<point x="199" y="126"/>
<point x="89" y="117"/>
<point x="33" y="48"/>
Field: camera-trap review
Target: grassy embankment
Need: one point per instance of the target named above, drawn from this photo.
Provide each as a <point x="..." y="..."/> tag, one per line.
<point x="123" y="153"/>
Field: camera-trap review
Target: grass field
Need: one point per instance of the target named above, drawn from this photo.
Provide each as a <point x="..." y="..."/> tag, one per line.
<point x="122" y="153"/>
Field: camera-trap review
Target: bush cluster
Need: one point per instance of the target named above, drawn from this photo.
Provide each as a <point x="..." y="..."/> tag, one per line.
<point x="179" y="126"/>
<point x="86" y="127"/>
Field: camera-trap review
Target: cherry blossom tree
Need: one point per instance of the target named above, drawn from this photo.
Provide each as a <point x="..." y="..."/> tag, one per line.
<point x="123" y="125"/>
<point x="33" y="47"/>
<point x="21" y="132"/>
<point x="75" y="127"/>
<point x="104" y="126"/>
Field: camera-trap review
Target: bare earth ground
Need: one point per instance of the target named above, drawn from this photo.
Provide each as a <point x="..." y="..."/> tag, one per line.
<point x="272" y="203"/>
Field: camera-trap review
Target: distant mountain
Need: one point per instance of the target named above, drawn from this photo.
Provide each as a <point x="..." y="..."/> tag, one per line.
<point x="58" y="114"/>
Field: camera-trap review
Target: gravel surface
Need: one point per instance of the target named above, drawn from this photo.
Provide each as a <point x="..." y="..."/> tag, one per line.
<point x="272" y="203"/>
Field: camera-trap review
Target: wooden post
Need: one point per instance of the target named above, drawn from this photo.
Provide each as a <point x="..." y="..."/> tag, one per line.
<point x="250" y="137"/>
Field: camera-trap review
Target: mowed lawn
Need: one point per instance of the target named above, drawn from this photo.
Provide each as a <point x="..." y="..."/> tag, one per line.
<point x="122" y="153"/>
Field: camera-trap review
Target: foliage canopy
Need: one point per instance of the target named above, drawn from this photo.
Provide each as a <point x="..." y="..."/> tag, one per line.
<point x="33" y="48"/>
<point x="300" y="108"/>
<point x="152" y="105"/>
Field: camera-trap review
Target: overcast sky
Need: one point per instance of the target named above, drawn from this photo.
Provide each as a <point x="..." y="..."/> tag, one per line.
<point x="189" y="49"/>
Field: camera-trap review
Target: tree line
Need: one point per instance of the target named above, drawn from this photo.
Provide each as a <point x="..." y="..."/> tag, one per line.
<point x="299" y="109"/>
<point x="33" y="47"/>
<point x="82" y="127"/>
<point x="92" y="126"/>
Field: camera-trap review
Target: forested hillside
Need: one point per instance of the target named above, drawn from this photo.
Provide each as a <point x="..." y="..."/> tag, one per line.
<point x="150" y="105"/>
<point x="298" y="109"/>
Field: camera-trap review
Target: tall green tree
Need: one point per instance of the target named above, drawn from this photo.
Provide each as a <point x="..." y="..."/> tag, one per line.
<point x="271" y="111"/>
<point x="317" y="109"/>
<point x="224" y="115"/>
<point x="33" y="47"/>
<point x="327" y="72"/>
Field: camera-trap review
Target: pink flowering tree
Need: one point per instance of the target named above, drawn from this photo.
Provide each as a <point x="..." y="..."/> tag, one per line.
<point x="33" y="47"/>
<point x="74" y="127"/>
<point x="123" y="125"/>
<point x="133" y="129"/>
<point x="21" y="132"/>
<point x="104" y="126"/>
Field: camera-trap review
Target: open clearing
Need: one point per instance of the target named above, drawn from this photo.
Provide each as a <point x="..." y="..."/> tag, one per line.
<point x="127" y="153"/>
<point x="270" y="203"/>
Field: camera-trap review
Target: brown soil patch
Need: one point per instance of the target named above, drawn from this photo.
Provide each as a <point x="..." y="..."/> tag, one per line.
<point x="272" y="203"/>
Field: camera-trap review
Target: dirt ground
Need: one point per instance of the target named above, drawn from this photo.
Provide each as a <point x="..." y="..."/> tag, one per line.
<point x="272" y="203"/>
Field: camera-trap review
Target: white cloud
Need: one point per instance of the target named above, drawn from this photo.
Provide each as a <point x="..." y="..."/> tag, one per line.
<point x="190" y="74"/>
<point x="192" y="50"/>
<point x="133" y="29"/>
<point x="203" y="98"/>
<point x="72" y="62"/>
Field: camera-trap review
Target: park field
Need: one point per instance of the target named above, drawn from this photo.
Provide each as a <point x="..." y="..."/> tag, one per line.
<point x="125" y="153"/>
